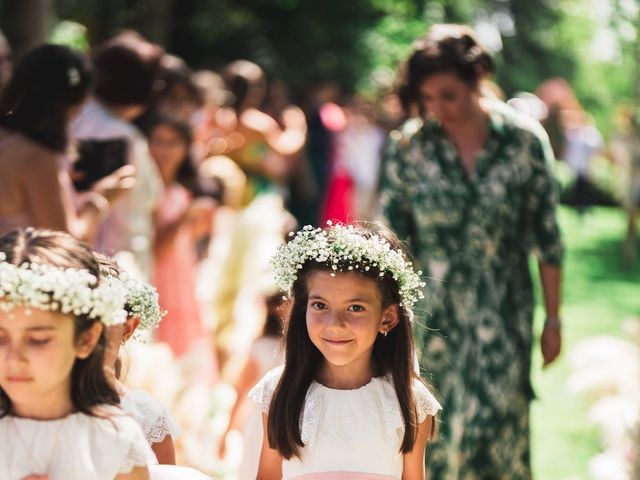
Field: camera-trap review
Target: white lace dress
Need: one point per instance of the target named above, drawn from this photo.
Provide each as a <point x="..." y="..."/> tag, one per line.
<point x="77" y="446"/>
<point x="150" y="413"/>
<point x="349" y="432"/>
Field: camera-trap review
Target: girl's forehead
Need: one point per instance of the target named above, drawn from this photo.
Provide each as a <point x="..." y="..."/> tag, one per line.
<point x="342" y="284"/>
<point x="20" y="318"/>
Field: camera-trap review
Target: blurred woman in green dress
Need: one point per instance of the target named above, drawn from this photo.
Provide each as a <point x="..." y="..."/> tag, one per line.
<point x="468" y="185"/>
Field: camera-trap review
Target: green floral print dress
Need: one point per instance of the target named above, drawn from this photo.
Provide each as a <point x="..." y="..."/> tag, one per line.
<point x="471" y="236"/>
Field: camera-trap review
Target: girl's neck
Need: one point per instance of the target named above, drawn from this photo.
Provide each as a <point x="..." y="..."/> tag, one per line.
<point x="345" y="378"/>
<point x="44" y="409"/>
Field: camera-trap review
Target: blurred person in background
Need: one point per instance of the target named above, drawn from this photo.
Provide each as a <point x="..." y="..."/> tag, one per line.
<point x="264" y="148"/>
<point x="624" y="150"/>
<point x="361" y="144"/>
<point x="126" y="68"/>
<point x="212" y="122"/>
<point x="469" y="186"/>
<point x="301" y="188"/>
<point x="6" y="62"/>
<point x="46" y="90"/>
<point x="178" y="220"/>
<point x="266" y="353"/>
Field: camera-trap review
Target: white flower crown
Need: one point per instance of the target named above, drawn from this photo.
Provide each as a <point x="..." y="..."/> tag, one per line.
<point x="343" y="247"/>
<point x="142" y="301"/>
<point x="66" y="290"/>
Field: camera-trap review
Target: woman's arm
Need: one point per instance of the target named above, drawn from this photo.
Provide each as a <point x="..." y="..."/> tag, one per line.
<point x="270" y="466"/>
<point x="551" y="339"/>
<point x="413" y="462"/>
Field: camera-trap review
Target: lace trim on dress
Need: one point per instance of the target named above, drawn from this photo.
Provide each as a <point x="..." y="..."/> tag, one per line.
<point x="135" y="458"/>
<point x="262" y="392"/>
<point x="158" y="430"/>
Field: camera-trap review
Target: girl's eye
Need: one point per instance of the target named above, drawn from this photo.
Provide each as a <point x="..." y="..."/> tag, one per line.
<point x="356" y="308"/>
<point x="318" y="306"/>
<point x="449" y="97"/>
<point x="38" y="342"/>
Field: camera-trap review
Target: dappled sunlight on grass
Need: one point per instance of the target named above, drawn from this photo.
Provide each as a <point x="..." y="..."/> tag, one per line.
<point x="599" y="294"/>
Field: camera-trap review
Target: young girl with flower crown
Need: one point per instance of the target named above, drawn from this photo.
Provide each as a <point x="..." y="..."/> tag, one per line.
<point x="58" y="414"/>
<point x="347" y="403"/>
<point x="143" y="312"/>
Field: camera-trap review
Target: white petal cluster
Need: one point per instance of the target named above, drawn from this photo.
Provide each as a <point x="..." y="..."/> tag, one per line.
<point x="142" y="301"/>
<point x="68" y="291"/>
<point x="343" y="248"/>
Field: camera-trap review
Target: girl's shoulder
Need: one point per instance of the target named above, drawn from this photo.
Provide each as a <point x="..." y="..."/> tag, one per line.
<point x="262" y="392"/>
<point x="426" y="402"/>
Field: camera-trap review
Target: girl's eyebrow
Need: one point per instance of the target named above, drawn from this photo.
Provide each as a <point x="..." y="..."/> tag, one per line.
<point x="40" y="328"/>
<point x="354" y="299"/>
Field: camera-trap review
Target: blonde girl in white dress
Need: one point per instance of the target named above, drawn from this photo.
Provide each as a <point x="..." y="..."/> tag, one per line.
<point x="143" y="312"/>
<point x="58" y="414"/>
<point x="347" y="404"/>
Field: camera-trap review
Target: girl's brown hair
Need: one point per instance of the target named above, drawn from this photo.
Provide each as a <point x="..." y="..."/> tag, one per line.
<point x="89" y="384"/>
<point x="392" y="354"/>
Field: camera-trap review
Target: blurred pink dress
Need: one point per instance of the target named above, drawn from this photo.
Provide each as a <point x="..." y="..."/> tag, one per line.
<point x="175" y="276"/>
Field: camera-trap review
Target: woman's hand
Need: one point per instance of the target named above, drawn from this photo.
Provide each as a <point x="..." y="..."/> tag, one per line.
<point x="115" y="184"/>
<point x="550" y="342"/>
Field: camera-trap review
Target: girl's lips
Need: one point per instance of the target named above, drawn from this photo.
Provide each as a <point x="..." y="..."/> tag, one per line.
<point x="337" y="342"/>
<point x="16" y="378"/>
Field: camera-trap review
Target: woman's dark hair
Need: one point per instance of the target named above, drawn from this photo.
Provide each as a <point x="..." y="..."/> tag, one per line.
<point x="45" y="84"/>
<point x="446" y="48"/>
<point x="392" y="354"/>
<point x="186" y="174"/>
<point x="126" y="66"/>
<point x="89" y="384"/>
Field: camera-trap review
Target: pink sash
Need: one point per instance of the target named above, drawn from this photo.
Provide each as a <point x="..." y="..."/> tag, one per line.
<point x="343" y="476"/>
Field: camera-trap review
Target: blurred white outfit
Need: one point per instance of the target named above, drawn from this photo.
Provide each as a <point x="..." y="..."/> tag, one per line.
<point x="349" y="433"/>
<point x="267" y="354"/>
<point x="78" y="446"/>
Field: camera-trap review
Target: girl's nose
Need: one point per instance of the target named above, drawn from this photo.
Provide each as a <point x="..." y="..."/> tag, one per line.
<point x="14" y="353"/>
<point x="337" y="319"/>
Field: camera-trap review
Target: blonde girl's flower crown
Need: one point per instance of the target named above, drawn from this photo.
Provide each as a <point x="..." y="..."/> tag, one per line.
<point x="344" y="248"/>
<point x="65" y="290"/>
<point x="142" y="301"/>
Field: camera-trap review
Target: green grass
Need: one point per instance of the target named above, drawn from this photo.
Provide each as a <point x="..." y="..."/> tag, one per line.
<point x="599" y="294"/>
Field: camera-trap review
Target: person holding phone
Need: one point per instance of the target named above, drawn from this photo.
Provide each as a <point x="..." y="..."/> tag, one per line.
<point x="125" y="67"/>
<point x="47" y="88"/>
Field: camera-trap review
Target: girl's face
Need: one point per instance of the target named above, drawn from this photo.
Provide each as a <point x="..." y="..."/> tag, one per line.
<point x="447" y="97"/>
<point x="37" y="353"/>
<point x="167" y="148"/>
<point x="344" y="317"/>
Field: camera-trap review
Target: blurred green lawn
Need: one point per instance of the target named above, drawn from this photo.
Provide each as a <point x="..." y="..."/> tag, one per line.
<point x="599" y="294"/>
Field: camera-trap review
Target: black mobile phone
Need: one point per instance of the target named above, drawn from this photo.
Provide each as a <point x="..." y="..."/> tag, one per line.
<point x="97" y="159"/>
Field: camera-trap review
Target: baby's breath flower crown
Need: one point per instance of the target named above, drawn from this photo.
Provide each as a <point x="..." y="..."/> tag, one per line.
<point x="344" y="248"/>
<point x="142" y="301"/>
<point x="65" y="290"/>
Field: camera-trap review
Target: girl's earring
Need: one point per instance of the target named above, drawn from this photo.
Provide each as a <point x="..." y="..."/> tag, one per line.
<point x="123" y="342"/>
<point x="384" y="333"/>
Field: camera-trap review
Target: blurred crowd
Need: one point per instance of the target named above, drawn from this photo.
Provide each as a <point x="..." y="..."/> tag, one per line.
<point x="191" y="179"/>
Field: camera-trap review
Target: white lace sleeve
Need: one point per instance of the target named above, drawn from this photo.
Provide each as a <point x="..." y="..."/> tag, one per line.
<point x="426" y="403"/>
<point x="151" y="414"/>
<point x="262" y="392"/>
